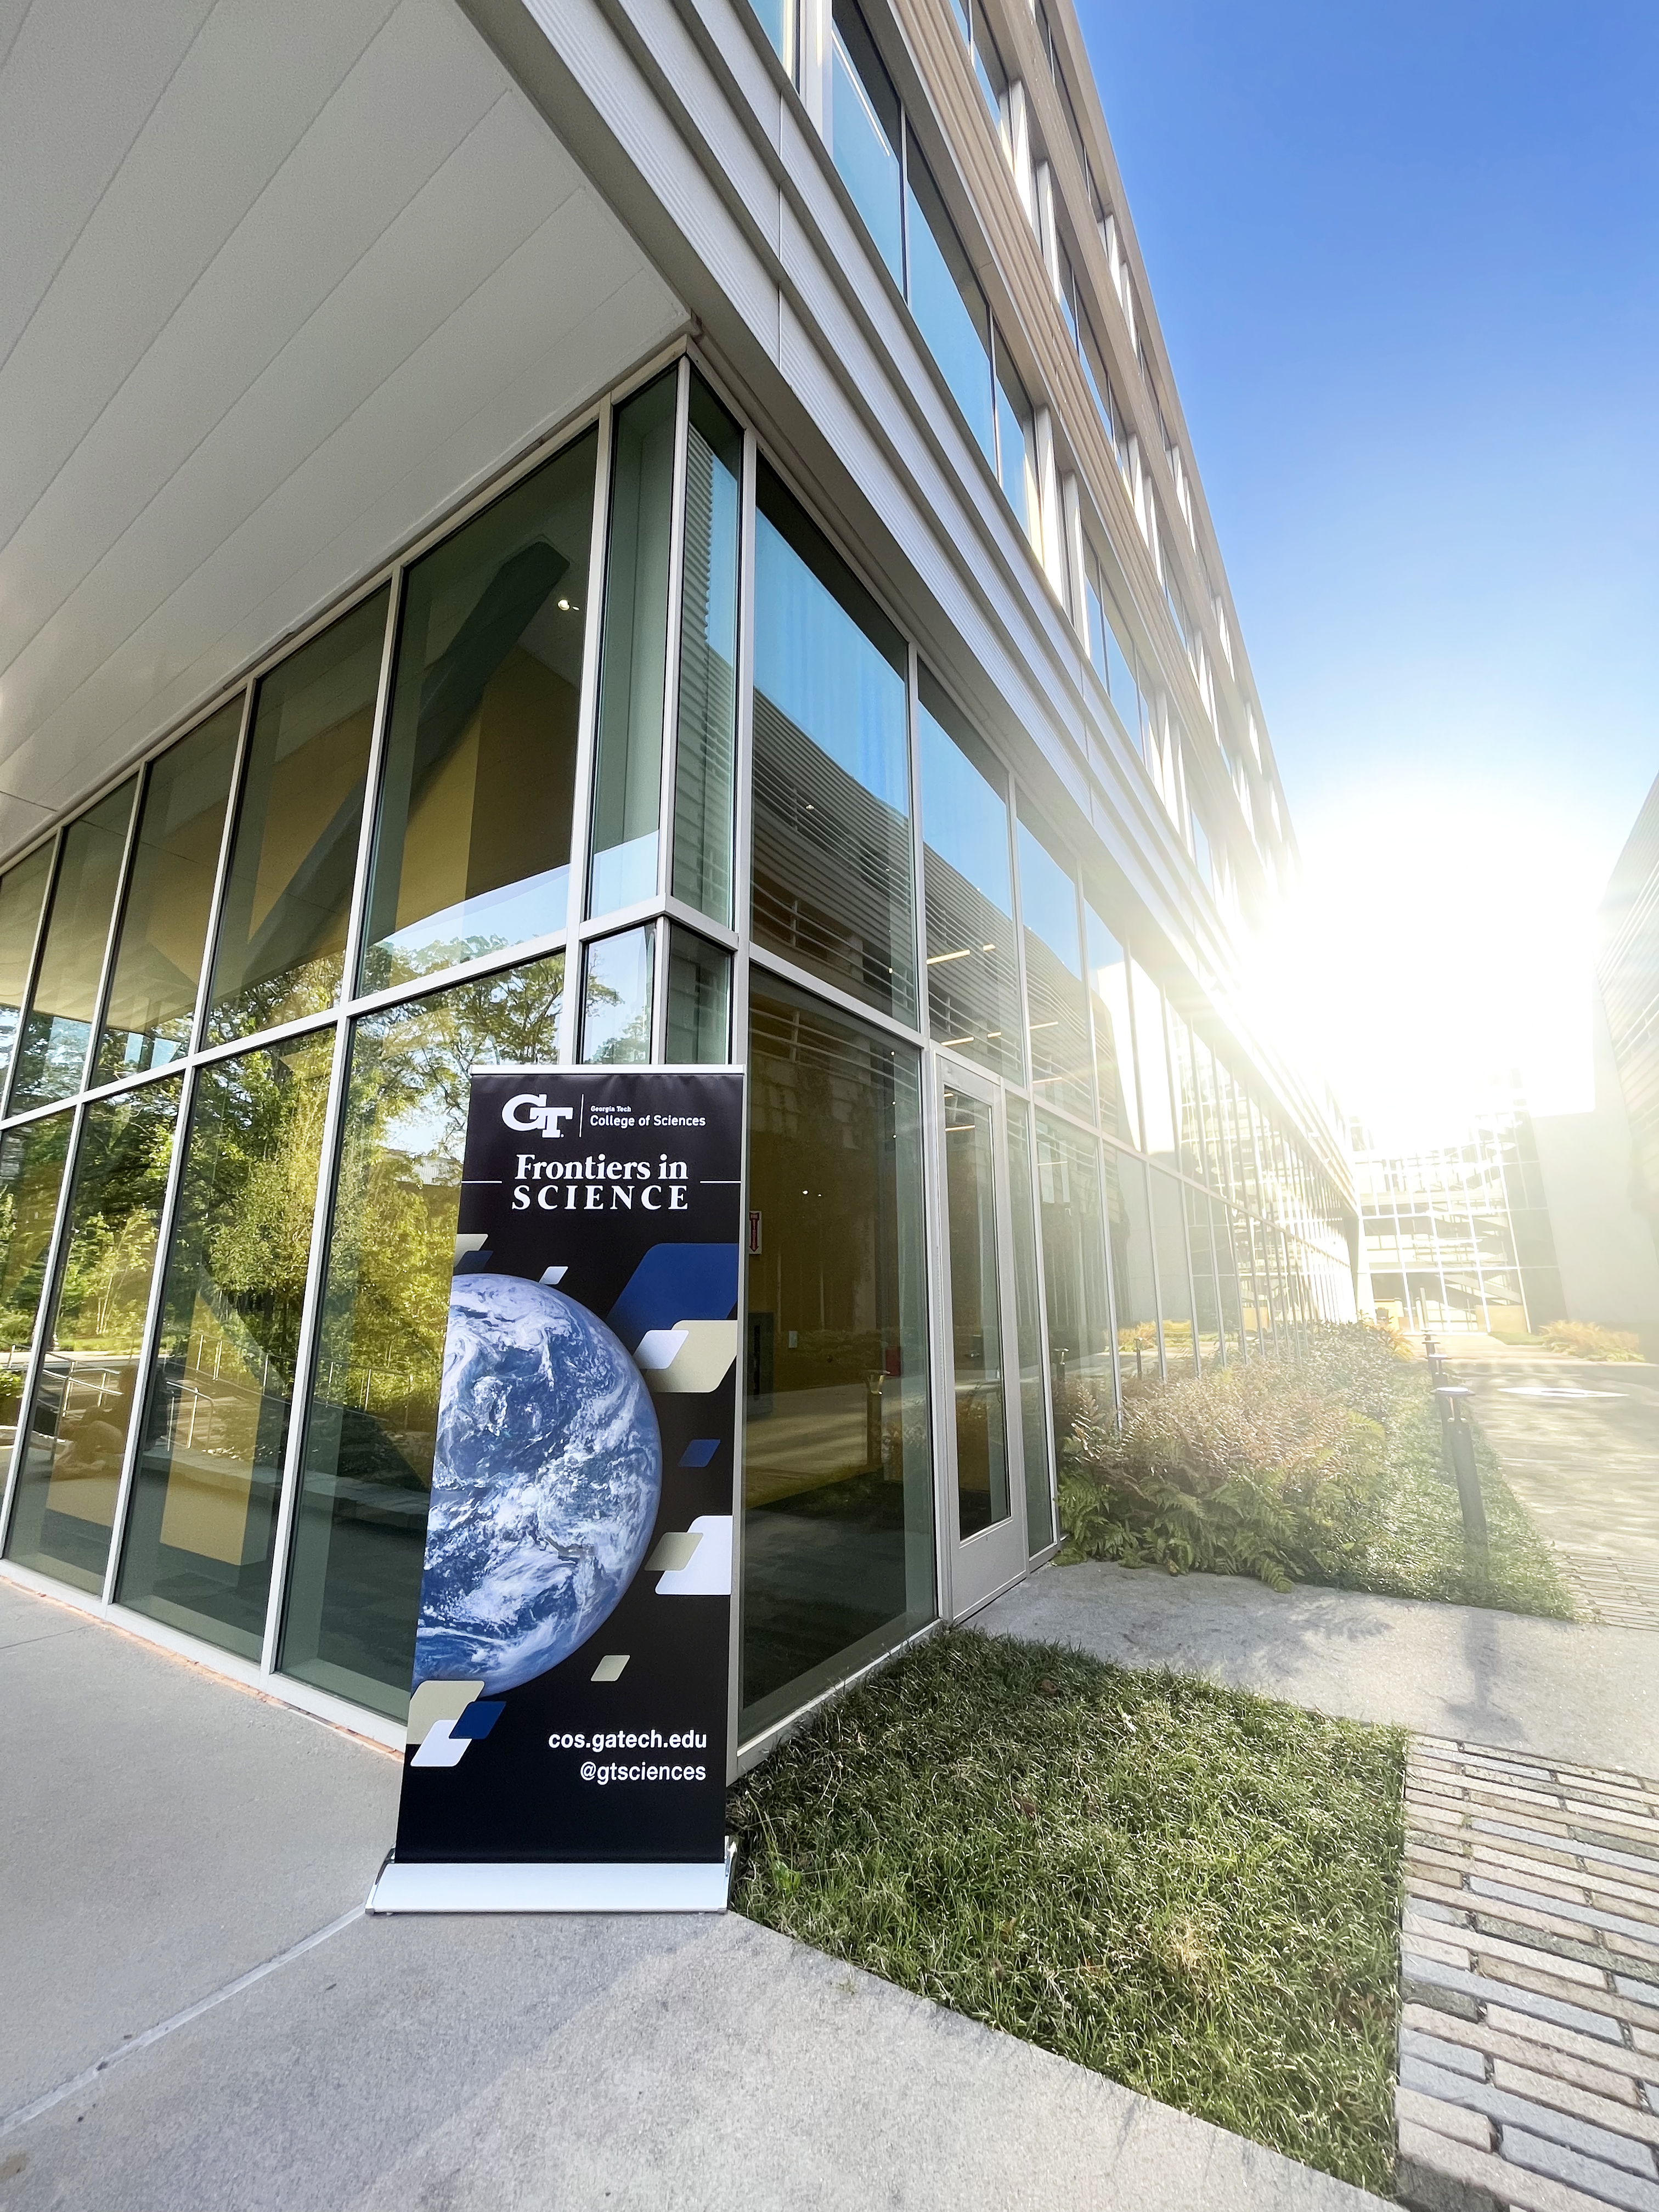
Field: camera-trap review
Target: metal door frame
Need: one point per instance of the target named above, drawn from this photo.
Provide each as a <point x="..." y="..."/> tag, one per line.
<point x="973" y="1570"/>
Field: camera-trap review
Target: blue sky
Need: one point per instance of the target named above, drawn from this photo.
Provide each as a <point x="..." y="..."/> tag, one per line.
<point x="1406" y="259"/>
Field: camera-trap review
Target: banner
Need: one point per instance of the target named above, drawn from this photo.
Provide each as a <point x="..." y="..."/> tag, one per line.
<point x="566" y="1741"/>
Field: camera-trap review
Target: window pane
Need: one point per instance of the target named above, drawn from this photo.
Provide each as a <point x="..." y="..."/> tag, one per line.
<point x="1207" y="1302"/>
<point x="473" y="843"/>
<point x="1074" y="1274"/>
<point x="634" y="656"/>
<point x="1115" y="1066"/>
<point x="22" y="893"/>
<point x="282" y="939"/>
<point x="1100" y="385"/>
<point x="706" y="748"/>
<point x="1226" y="1270"/>
<point x="948" y="304"/>
<point x="1184" y="1071"/>
<point x="88" y="1378"/>
<point x="979" y="1405"/>
<point x="838" y="1548"/>
<point x="1157" y="1111"/>
<point x="197" y="1551"/>
<point x="1187" y="1082"/>
<point x="175" y="857"/>
<point x="51" y="1054"/>
<point x="1034" y="1426"/>
<point x="973" y="982"/>
<point x="864" y="133"/>
<point x="1122" y="684"/>
<point x="31" y="1177"/>
<point x="1016" y="447"/>
<point x="1174" y="1280"/>
<point x="1096" y="619"/>
<point x="777" y="20"/>
<point x="1201" y="854"/>
<point x="699" y="1002"/>
<point x="1057" y="1014"/>
<point x="616" y="999"/>
<point x="1129" y="1224"/>
<point x="359" y="1530"/>
<point x="833" y="887"/>
<point x="1252" y="1287"/>
<point x="987" y="68"/>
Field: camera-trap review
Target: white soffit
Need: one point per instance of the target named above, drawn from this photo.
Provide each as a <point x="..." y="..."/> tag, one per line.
<point x="277" y="284"/>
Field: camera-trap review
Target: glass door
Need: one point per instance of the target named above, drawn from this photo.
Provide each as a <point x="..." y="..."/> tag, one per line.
<point x="983" y="1505"/>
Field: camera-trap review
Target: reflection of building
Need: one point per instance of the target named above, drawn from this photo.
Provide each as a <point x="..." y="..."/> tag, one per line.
<point x="1457" y="1236"/>
<point x="674" y="546"/>
<point x="1629" y="971"/>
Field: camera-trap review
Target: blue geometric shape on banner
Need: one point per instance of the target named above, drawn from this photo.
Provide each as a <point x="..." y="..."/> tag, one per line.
<point x="474" y="1263"/>
<point x="478" y="1720"/>
<point x="700" y="1452"/>
<point x="675" y="1283"/>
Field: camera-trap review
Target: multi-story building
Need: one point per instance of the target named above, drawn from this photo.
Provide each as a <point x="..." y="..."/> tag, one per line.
<point x="1458" y="1234"/>
<point x="616" y="532"/>
<point x="1629" y="974"/>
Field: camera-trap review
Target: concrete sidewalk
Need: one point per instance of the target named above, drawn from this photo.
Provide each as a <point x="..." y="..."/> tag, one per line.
<point x="163" y="1833"/>
<point x="1552" y="1687"/>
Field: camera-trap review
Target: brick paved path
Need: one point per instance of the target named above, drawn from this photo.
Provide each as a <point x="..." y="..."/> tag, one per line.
<point x="1529" y="1957"/>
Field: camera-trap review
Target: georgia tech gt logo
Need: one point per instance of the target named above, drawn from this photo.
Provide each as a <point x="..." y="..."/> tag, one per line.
<point x="550" y="1120"/>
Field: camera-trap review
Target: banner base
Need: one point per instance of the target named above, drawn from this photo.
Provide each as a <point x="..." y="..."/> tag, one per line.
<point x="548" y="1885"/>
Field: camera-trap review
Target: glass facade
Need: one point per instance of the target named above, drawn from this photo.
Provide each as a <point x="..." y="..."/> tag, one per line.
<point x="239" y="994"/>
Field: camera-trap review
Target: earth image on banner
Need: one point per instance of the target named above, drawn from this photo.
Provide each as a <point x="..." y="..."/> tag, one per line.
<point x="544" y="1484"/>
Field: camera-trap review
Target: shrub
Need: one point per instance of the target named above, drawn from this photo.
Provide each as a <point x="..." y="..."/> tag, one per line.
<point x="1589" y="1339"/>
<point x="1262" y="1470"/>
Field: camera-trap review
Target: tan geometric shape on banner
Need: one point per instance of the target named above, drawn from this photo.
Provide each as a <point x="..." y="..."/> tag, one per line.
<point x="609" y="1668"/>
<point x="700" y="1364"/>
<point x="438" y="1701"/>
<point x="673" y="1552"/>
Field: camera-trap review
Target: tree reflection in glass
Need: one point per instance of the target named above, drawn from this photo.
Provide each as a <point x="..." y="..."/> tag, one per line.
<point x="617" y="997"/>
<point x="88" y="1377"/>
<point x="360" y="1533"/>
<point x="32" y="1161"/>
<point x="198" y="1542"/>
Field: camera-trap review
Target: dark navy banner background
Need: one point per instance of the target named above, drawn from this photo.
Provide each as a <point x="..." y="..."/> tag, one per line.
<point x="570" y="1690"/>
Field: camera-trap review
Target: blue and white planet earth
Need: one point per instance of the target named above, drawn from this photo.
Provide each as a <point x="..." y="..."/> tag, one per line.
<point x="545" y="1484"/>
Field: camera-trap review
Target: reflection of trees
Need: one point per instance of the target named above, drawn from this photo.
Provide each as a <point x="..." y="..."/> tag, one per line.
<point x="392" y="1249"/>
<point x="249" y="1186"/>
<point x="630" y="1044"/>
<point x="31" y="1171"/>
<point x="119" y="1188"/>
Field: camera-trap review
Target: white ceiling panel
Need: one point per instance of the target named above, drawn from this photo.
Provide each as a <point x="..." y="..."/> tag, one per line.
<point x="219" y="415"/>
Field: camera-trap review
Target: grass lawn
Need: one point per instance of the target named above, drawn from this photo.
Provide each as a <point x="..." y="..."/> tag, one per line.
<point x="1413" y="1545"/>
<point x="1191" y="1889"/>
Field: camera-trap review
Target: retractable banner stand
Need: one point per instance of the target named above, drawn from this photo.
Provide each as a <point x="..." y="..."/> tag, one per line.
<point x="568" y="1729"/>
